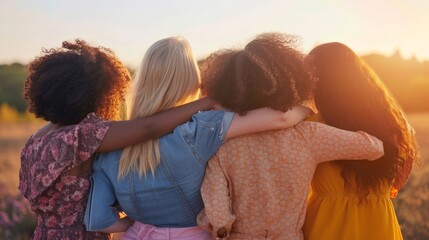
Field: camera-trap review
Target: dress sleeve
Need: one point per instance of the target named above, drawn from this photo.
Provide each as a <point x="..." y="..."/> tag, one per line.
<point x="217" y="201"/>
<point x="87" y="137"/>
<point x="99" y="212"/>
<point x="59" y="152"/>
<point x="331" y="143"/>
<point x="206" y="132"/>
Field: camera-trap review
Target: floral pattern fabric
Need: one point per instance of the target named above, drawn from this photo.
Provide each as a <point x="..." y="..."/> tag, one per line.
<point x="57" y="198"/>
<point x="256" y="186"/>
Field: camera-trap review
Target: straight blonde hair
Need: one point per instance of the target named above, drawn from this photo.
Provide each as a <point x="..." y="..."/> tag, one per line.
<point x="168" y="76"/>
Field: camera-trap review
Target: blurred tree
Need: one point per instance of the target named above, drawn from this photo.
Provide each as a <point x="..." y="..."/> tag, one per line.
<point x="407" y="79"/>
<point x="8" y="113"/>
<point x="12" y="78"/>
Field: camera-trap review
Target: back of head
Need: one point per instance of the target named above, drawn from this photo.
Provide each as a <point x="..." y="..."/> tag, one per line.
<point x="168" y="76"/>
<point x="343" y="82"/>
<point x="350" y="96"/>
<point x="65" y="84"/>
<point x="268" y="72"/>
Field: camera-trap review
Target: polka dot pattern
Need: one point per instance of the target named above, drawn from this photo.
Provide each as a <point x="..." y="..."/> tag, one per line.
<point x="256" y="186"/>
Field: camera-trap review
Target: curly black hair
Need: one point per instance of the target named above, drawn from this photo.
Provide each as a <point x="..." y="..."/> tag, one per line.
<point x="268" y="72"/>
<point x="65" y="84"/>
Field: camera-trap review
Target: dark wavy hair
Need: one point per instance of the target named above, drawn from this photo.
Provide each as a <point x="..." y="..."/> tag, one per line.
<point x="350" y="96"/>
<point x="67" y="83"/>
<point x="268" y="72"/>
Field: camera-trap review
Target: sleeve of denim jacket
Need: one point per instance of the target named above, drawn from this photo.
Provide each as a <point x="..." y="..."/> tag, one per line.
<point x="99" y="213"/>
<point x="207" y="132"/>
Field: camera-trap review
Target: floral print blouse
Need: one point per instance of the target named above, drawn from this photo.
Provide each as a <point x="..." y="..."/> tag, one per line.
<point x="57" y="198"/>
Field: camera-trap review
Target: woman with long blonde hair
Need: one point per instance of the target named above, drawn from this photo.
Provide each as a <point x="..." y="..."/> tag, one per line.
<point x="351" y="199"/>
<point x="157" y="183"/>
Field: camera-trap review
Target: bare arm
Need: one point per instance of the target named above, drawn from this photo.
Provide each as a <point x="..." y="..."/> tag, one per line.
<point x="265" y="119"/>
<point x="125" y="133"/>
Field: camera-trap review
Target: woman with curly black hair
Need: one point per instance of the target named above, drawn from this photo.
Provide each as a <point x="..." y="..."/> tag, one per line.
<point x="268" y="72"/>
<point x="79" y="90"/>
<point x="256" y="186"/>
<point x="351" y="199"/>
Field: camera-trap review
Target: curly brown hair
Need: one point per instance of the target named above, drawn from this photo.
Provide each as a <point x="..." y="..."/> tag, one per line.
<point x="268" y="72"/>
<point x="350" y="96"/>
<point x="67" y="83"/>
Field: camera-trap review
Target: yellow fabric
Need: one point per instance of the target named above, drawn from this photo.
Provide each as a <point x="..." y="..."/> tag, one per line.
<point x="336" y="214"/>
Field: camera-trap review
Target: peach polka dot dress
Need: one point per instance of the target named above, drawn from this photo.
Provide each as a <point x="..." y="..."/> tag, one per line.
<point x="256" y="186"/>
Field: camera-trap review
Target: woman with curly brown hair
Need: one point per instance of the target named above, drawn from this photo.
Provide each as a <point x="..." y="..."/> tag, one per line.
<point x="79" y="90"/>
<point x="351" y="199"/>
<point x="256" y="186"/>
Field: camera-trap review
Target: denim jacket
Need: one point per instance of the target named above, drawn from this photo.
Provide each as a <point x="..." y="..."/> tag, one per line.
<point x="169" y="198"/>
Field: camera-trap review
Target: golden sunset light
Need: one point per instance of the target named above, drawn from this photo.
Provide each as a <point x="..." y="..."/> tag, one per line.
<point x="226" y="119"/>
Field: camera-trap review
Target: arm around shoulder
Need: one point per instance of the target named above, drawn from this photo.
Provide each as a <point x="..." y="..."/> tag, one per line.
<point x="329" y="143"/>
<point x="265" y="119"/>
<point x="125" y="133"/>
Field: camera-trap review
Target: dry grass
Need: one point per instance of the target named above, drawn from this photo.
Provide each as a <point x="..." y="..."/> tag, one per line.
<point x="12" y="139"/>
<point x="420" y="122"/>
<point x="412" y="203"/>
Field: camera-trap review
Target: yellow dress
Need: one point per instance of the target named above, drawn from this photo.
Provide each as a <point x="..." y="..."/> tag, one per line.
<point x="336" y="214"/>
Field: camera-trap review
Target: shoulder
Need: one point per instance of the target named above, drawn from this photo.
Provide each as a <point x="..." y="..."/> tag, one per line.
<point x="92" y="118"/>
<point x="211" y="116"/>
<point x="310" y="125"/>
<point x="212" y="120"/>
<point x="317" y="130"/>
<point x="91" y="127"/>
<point x="93" y="123"/>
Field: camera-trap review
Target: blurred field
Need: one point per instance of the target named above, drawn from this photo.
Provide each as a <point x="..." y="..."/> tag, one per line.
<point x="412" y="204"/>
<point x="12" y="139"/>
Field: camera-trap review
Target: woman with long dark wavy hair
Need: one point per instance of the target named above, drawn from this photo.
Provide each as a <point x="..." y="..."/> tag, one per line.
<point x="351" y="199"/>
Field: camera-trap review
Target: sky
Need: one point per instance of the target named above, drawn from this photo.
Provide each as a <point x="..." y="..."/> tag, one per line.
<point x="130" y="27"/>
